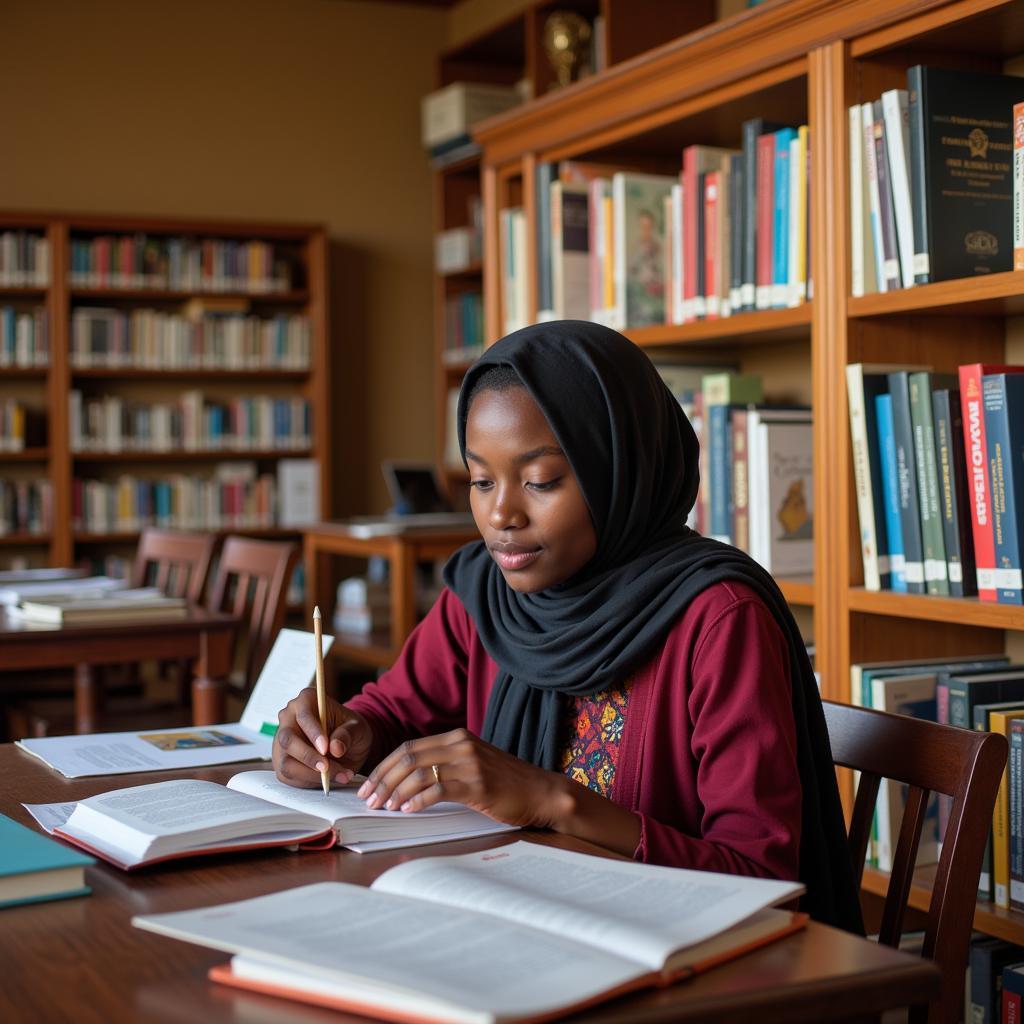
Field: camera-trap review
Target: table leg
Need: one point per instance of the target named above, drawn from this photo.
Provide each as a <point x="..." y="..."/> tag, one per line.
<point x="209" y="685"/>
<point x="88" y="699"/>
<point x="403" y="593"/>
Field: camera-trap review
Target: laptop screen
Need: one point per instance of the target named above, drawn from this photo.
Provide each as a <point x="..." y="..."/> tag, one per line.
<point x="414" y="488"/>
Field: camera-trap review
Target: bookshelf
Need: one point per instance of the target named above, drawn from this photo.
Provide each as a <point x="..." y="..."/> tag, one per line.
<point x="249" y="271"/>
<point x="799" y="61"/>
<point x="506" y="54"/>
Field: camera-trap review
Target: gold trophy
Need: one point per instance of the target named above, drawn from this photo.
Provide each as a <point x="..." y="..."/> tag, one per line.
<point x="567" y="44"/>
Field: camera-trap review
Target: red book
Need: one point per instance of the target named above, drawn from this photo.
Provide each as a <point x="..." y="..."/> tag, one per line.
<point x="689" y="181"/>
<point x="1011" y="1007"/>
<point x="712" y="243"/>
<point x="765" y="220"/>
<point x="978" y="484"/>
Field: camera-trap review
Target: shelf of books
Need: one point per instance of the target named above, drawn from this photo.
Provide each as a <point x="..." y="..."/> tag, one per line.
<point x="158" y="371"/>
<point x="781" y="214"/>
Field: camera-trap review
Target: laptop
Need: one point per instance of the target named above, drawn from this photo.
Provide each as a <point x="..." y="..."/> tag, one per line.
<point x="419" y="503"/>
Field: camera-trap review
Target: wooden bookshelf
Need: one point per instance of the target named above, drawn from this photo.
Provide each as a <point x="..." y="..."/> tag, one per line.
<point x="302" y="247"/>
<point x="800" y="61"/>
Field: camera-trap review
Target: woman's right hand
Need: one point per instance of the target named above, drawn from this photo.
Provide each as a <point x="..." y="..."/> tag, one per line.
<point x="301" y="748"/>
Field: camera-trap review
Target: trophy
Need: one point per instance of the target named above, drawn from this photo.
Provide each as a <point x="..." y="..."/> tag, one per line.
<point x="567" y="44"/>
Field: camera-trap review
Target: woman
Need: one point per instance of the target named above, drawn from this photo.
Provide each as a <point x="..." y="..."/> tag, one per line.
<point x="591" y="638"/>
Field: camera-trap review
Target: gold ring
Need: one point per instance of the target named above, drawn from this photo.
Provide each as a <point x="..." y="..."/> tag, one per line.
<point x="437" y="774"/>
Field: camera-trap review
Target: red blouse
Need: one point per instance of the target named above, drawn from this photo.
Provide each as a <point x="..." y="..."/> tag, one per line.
<point x="707" y="757"/>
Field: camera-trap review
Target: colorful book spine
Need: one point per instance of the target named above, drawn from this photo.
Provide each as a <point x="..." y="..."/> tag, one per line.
<point x="1015" y="786"/>
<point x="894" y="110"/>
<point x="780" y="218"/>
<point x="1018" y="186"/>
<point x="890" y="492"/>
<point x="910" y="508"/>
<point x="874" y="196"/>
<point x="737" y="226"/>
<point x="916" y="141"/>
<point x="753" y="130"/>
<point x="719" y="437"/>
<point x="765" y="220"/>
<point x="740" y="480"/>
<point x="999" y="721"/>
<point x="935" y="572"/>
<point x="949" y="450"/>
<point x="712" y="244"/>
<point x="1003" y="397"/>
<point x="887" y="216"/>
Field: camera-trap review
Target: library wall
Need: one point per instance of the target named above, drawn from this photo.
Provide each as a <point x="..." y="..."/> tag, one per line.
<point x="305" y="111"/>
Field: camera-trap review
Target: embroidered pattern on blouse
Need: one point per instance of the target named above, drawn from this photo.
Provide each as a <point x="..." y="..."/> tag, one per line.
<point x="591" y="736"/>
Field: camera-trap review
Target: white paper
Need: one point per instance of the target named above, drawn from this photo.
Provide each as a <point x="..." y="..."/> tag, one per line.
<point x="90" y="586"/>
<point x="51" y="816"/>
<point x="289" y="668"/>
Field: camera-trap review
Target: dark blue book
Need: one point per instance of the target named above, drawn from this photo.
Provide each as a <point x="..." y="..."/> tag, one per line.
<point x="1013" y="991"/>
<point x="953" y="498"/>
<point x="719" y="435"/>
<point x="1003" y="401"/>
<point x="752" y="131"/>
<point x="737" y="197"/>
<point x="987" y="958"/>
<point x="906" y="468"/>
<point x="543" y="177"/>
<point x="890" y="492"/>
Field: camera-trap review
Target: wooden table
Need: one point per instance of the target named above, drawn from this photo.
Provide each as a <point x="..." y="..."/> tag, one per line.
<point x="203" y="637"/>
<point x="81" y="960"/>
<point x="404" y="551"/>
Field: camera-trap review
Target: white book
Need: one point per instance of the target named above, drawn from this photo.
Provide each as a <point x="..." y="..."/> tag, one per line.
<point x="288" y="669"/>
<point x="298" y="488"/>
<point x="874" y="199"/>
<point x="119" y="606"/>
<point x="570" y="251"/>
<point x="66" y="589"/>
<point x="897" y="142"/>
<point x="518" y="933"/>
<point x="862" y="276"/>
<point x="186" y="817"/>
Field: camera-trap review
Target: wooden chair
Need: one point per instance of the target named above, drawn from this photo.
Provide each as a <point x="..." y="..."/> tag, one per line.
<point x="251" y="581"/>
<point x="176" y="562"/>
<point x="927" y="758"/>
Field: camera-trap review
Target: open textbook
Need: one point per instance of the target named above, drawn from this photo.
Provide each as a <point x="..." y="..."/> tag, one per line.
<point x="517" y="933"/>
<point x="288" y="669"/>
<point x="142" y="825"/>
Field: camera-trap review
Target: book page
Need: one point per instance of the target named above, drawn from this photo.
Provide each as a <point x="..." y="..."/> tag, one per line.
<point x="342" y="807"/>
<point x="639" y="910"/>
<point x="119" y="753"/>
<point x="289" y="667"/>
<point x="336" y="931"/>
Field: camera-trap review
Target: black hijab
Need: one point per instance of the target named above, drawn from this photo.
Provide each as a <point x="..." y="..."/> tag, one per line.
<point x="635" y="455"/>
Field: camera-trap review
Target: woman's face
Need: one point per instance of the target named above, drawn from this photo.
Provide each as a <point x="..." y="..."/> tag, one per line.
<point x="527" y="504"/>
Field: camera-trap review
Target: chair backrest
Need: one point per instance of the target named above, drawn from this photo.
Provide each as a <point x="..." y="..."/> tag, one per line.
<point x="926" y="758"/>
<point x="251" y="581"/>
<point x="176" y="562"/>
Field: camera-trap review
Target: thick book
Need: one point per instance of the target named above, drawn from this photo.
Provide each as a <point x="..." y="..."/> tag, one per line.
<point x="143" y="825"/>
<point x="34" y="868"/>
<point x="953" y="501"/>
<point x="519" y="933"/>
<point x="697" y="161"/>
<point x="1003" y="397"/>
<point x="142" y="604"/>
<point x="781" y="240"/>
<point x="979" y="484"/>
<point x="964" y="135"/>
<point x="919" y="389"/>
<point x="890" y="492"/>
<point x="569" y="252"/>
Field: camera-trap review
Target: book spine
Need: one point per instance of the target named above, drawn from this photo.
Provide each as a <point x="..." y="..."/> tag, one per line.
<point x="1018" y="186"/>
<point x="740" y="481"/>
<point x="980" y="721"/>
<point x="874" y="200"/>
<point x="712" y="244"/>
<point x="691" y="201"/>
<point x="910" y="512"/>
<point x="700" y="306"/>
<point x="798" y="158"/>
<point x="765" y="220"/>
<point x="619" y="255"/>
<point x="678" y="249"/>
<point x="887" y="217"/>
<point x="1005" y="446"/>
<point x="919" y="199"/>
<point x="737" y="212"/>
<point x="935" y="574"/>
<point x="544" y="232"/>
<point x="1016" y="790"/>
<point x="976" y="451"/>
<point x="857" y="284"/>
<point x="780" y="223"/>
<point x="894" y="107"/>
<point x="751" y="132"/>
<point x="1000" y="723"/>
<point x="719" y="484"/>
<point x="890" y="492"/>
<point x="860" y="436"/>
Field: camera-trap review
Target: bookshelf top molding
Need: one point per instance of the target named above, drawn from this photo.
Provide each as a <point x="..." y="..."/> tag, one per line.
<point x="725" y="53"/>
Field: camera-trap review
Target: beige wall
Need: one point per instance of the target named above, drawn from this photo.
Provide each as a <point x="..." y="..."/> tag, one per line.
<point x="279" y="109"/>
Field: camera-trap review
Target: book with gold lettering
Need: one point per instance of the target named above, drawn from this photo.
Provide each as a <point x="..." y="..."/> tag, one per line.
<point x="961" y="152"/>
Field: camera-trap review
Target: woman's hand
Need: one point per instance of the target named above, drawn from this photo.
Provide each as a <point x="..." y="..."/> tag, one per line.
<point x="469" y="772"/>
<point x="301" y="748"/>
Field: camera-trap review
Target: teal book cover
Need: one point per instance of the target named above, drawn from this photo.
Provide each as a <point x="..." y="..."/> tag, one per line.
<point x="26" y="852"/>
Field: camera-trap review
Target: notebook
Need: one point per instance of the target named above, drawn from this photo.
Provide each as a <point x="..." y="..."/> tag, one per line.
<point x="34" y="868"/>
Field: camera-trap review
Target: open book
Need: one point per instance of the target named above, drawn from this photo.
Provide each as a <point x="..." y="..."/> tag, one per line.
<point x="142" y="825"/>
<point x="522" y="932"/>
<point x="288" y="669"/>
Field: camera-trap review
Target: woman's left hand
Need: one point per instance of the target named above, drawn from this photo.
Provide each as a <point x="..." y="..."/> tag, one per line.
<point x="461" y="767"/>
